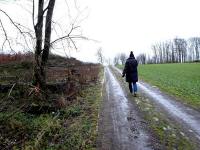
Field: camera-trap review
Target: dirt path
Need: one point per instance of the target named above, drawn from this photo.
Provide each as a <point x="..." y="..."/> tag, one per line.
<point x="120" y="125"/>
<point x="186" y="117"/>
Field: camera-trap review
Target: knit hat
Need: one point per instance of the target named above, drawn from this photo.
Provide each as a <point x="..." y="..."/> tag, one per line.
<point x="132" y="55"/>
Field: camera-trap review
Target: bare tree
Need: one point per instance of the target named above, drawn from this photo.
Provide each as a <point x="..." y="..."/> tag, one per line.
<point x="195" y="47"/>
<point x="116" y="60"/>
<point x="122" y="58"/>
<point x="149" y="59"/>
<point x="167" y="51"/>
<point x="178" y="50"/>
<point x="155" y="52"/>
<point x="142" y="58"/>
<point x="181" y="49"/>
<point x="165" y="48"/>
<point x="43" y="46"/>
<point x="42" y="53"/>
<point x="42" y="14"/>
<point x="100" y="56"/>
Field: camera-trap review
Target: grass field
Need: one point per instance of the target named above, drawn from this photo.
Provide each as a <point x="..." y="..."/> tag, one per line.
<point x="180" y="80"/>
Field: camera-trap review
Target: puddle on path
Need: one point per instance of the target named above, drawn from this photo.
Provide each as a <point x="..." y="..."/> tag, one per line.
<point x="120" y="110"/>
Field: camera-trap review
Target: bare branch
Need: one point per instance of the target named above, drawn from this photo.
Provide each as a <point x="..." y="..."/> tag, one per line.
<point x="6" y="37"/>
<point x="24" y="32"/>
<point x="45" y="9"/>
<point x="73" y="42"/>
<point x="76" y="6"/>
<point x="11" y="20"/>
<point x="33" y="14"/>
<point x="59" y="39"/>
<point x="68" y="8"/>
<point x="66" y="36"/>
<point x="55" y="30"/>
<point x="16" y="25"/>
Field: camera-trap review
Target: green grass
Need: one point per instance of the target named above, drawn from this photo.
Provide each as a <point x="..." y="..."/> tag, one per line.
<point x="180" y="80"/>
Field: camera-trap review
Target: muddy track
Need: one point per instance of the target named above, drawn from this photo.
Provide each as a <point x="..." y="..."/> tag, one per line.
<point x="187" y="118"/>
<point x="120" y="124"/>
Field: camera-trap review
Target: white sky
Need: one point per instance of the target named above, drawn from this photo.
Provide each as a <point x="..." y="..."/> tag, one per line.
<point x="125" y="25"/>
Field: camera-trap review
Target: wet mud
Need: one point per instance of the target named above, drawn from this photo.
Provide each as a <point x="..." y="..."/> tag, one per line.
<point x="186" y="117"/>
<point x="120" y="127"/>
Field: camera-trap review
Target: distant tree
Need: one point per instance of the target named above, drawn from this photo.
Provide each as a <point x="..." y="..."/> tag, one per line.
<point x="170" y="51"/>
<point x="116" y="60"/>
<point x="142" y="58"/>
<point x="160" y="52"/>
<point x="195" y="47"/>
<point x="100" y="56"/>
<point x="177" y="50"/>
<point x="149" y="59"/>
<point x="109" y="61"/>
<point x="155" y="53"/>
<point x="181" y="49"/>
<point x="167" y="51"/>
<point x="122" y="58"/>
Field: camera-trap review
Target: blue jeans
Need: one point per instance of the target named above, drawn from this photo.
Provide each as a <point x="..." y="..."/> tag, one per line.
<point x="132" y="87"/>
<point x="135" y="87"/>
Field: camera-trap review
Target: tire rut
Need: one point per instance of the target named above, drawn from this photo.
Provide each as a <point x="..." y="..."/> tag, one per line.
<point x="120" y="126"/>
<point x="187" y="118"/>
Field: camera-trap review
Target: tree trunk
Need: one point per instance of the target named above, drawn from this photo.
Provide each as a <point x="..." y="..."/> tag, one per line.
<point x="41" y="55"/>
<point x="38" y="49"/>
<point x="173" y="57"/>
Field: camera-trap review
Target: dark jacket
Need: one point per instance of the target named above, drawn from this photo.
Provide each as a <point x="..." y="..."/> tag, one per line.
<point x="130" y="70"/>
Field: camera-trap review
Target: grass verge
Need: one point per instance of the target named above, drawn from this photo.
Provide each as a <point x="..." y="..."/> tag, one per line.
<point x="73" y="127"/>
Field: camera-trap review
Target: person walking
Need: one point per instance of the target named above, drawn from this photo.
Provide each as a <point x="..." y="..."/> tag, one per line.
<point x="130" y="70"/>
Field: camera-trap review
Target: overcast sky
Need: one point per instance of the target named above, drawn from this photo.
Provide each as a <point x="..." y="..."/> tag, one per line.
<point x="125" y="25"/>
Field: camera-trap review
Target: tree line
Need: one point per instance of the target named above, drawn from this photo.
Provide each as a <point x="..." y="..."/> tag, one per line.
<point x="120" y="59"/>
<point x="178" y="50"/>
<point x="6" y="58"/>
